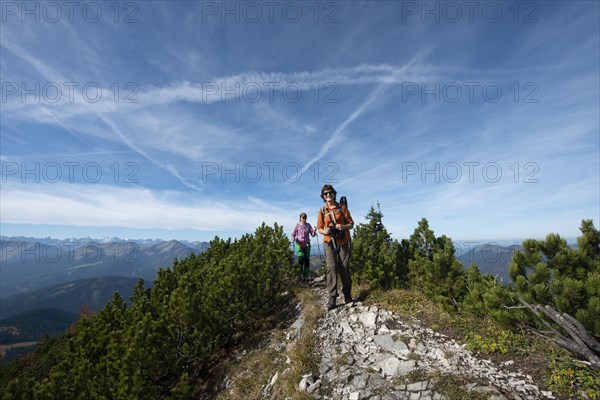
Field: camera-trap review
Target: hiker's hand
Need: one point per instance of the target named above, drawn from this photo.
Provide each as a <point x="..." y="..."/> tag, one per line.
<point x="339" y="227"/>
<point x="326" y="229"/>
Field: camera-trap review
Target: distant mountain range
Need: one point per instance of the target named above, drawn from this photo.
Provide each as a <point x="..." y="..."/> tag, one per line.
<point x="29" y="264"/>
<point x="198" y="245"/>
<point x="490" y="259"/>
<point x="45" y="283"/>
<point x="493" y="259"/>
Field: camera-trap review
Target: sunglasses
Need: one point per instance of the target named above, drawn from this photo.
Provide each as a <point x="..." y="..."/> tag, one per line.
<point x="327" y="193"/>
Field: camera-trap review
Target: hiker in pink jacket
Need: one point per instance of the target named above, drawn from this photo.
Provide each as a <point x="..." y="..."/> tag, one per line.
<point x="301" y="239"/>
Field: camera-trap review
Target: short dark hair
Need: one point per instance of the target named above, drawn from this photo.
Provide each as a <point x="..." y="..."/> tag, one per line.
<point x="302" y="215"/>
<point x="325" y="188"/>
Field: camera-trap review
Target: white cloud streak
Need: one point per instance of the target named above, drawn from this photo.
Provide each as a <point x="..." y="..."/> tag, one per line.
<point x="132" y="207"/>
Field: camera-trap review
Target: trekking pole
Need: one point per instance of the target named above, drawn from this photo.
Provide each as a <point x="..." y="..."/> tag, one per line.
<point x="320" y="254"/>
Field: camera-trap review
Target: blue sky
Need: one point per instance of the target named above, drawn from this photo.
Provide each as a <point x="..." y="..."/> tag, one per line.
<point x="186" y="120"/>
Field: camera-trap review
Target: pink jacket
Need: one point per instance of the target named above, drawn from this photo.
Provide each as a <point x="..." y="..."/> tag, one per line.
<point x="301" y="232"/>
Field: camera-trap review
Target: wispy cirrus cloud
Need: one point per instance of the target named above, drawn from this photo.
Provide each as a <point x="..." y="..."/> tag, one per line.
<point x="215" y="89"/>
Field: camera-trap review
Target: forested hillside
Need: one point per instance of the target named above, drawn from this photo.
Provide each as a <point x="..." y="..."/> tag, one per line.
<point x="71" y="297"/>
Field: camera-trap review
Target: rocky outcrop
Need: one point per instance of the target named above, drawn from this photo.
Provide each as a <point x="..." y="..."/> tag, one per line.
<point x="374" y="354"/>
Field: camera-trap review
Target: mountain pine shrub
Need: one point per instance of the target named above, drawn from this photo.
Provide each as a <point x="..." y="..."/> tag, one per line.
<point x="376" y="258"/>
<point x="551" y="272"/>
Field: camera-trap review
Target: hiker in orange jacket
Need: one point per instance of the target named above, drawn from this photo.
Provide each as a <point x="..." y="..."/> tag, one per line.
<point x="334" y="223"/>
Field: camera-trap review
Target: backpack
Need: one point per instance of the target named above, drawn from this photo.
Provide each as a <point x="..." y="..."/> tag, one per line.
<point x="344" y="201"/>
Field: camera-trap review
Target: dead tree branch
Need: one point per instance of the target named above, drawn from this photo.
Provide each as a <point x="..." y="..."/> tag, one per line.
<point x="579" y="341"/>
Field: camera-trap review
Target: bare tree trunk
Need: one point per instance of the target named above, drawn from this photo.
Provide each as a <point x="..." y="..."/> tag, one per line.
<point x="580" y="341"/>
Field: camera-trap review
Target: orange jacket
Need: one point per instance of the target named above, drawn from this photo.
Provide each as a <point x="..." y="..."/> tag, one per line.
<point x="342" y="216"/>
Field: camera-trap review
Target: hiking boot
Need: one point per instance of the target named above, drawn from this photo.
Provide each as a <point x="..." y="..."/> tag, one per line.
<point x="348" y="298"/>
<point x="331" y="304"/>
